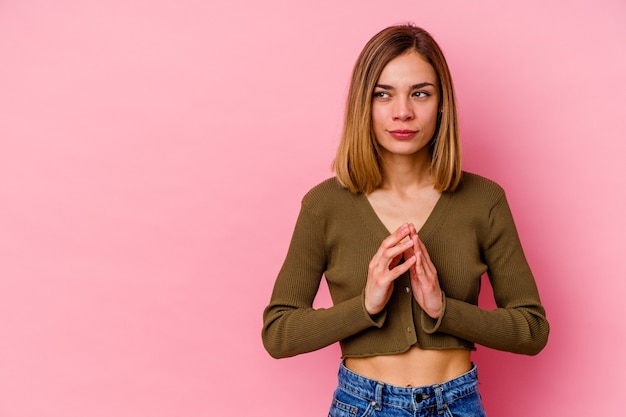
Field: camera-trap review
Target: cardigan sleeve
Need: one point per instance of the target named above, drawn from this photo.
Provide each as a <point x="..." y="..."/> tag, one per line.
<point x="519" y="323"/>
<point x="291" y="325"/>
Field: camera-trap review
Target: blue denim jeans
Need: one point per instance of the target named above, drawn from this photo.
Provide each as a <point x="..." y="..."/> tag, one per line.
<point x="358" y="396"/>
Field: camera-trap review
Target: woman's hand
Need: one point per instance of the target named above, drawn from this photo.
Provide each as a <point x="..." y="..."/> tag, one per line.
<point x="424" y="280"/>
<point x="385" y="268"/>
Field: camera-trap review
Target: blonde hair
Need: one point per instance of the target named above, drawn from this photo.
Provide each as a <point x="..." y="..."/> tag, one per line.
<point x="357" y="163"/>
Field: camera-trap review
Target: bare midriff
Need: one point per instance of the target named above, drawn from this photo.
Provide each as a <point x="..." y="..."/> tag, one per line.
<point x="416" y="367"/>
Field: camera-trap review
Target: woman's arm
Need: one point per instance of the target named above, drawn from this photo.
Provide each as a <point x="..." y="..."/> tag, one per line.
<point x="290" y="324"/>
<point x="519" y="323"/>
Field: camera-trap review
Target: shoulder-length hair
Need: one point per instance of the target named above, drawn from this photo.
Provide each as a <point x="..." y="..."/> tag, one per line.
<point x="358" y="162"/>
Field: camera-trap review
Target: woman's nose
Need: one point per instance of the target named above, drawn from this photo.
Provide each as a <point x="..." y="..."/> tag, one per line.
<point x="403" y="110"/>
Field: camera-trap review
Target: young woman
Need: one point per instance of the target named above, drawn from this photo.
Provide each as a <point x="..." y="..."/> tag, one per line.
<point x="403" y="236"/>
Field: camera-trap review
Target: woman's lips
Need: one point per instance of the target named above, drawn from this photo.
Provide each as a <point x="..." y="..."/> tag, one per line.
<point x="402" y="134"/>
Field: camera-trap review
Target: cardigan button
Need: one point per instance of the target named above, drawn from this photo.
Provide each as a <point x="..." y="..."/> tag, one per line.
<point x="407" y="290"/>
<point x="408" y="329"/>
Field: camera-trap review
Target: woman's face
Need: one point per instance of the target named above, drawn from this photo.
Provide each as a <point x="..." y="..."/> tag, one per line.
<point x="405" y="104"/>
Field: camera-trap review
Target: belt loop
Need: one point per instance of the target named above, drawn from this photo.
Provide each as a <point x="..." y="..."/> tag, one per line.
<point x="441" y="405"/>
<point x="378" y="396"/>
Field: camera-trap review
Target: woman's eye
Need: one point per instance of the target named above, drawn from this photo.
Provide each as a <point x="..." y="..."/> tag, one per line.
<point x="381" y="94"/>
<point x="420" y="94"/>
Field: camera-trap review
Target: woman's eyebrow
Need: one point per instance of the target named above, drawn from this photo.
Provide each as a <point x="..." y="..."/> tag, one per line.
<point x="413" y="87"/>
<point x="422" y="85"/>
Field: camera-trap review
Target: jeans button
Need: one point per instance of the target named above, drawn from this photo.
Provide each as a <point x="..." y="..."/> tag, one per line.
<point x="419" y="398"/>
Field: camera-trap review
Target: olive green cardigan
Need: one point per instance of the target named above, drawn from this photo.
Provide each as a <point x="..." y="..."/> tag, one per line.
<point x="469" y="232"/>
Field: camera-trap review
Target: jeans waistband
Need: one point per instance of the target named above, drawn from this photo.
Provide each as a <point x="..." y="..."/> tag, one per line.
<point x="436" y="395"/>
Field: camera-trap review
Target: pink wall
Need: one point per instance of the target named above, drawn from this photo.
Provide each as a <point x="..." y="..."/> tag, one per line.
<point x="152" y="159"/>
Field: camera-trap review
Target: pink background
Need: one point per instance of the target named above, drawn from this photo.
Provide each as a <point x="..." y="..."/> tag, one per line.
<point x="152" y="159"/>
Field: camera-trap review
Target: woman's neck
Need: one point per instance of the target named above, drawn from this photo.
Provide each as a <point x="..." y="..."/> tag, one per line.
<point x="403" y="173"/>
